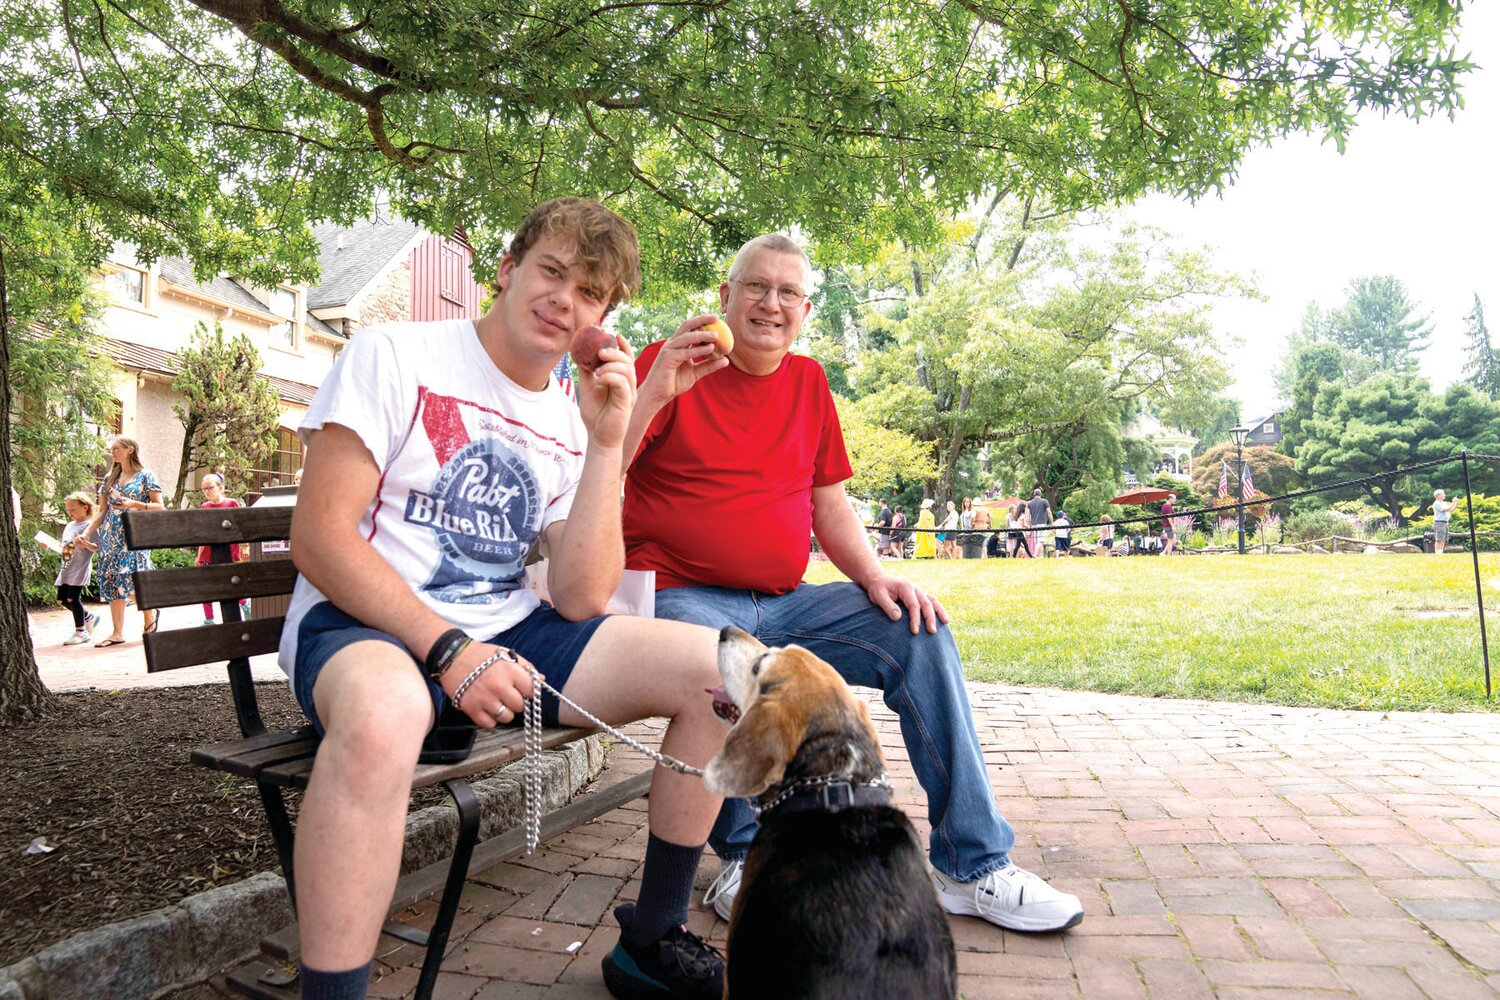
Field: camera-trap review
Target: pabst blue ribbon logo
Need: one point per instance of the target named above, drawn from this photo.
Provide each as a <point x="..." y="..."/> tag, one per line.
<point x="485" y="510"/>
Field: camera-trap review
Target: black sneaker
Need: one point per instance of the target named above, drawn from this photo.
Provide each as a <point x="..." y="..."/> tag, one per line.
<point x="680" y="965"/>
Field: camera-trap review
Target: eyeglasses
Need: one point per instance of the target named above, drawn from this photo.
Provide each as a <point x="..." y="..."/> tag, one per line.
<point x="756" y="291"/>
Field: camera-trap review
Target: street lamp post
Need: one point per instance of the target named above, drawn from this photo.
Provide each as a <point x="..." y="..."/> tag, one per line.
<point x="1238" y="434"/>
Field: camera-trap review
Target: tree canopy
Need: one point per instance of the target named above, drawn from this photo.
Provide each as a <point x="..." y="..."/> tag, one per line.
<point x="1036" y="345"/>
<point x="220" y="128"/>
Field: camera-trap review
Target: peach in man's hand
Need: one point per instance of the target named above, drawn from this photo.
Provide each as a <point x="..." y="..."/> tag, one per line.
<point x="587" y="343"/>
<point x="723" y="338"/>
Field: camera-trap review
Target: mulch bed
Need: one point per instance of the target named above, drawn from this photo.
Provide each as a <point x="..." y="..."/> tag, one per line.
<point x="107" y="781"/>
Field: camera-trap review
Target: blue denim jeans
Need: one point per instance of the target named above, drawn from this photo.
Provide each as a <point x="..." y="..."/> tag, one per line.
<point x="922" y="681"/>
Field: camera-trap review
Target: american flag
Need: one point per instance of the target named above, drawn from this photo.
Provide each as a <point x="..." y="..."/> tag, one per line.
<point x="1223" y="478"/>
<point x="1245" y="483"/>
<point x="564" y="375"/>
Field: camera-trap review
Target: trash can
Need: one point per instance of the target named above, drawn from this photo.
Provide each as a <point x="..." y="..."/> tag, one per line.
<point x="274" y="606"/>
<point x="972" y="544"/>
<point x="1429" y="543"/>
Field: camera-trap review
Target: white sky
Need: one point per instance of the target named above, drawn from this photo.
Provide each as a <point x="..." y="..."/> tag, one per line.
<point x="1420" y="200"/>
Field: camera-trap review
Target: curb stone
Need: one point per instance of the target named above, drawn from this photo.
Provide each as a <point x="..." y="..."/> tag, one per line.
<point x="187" y="942"/>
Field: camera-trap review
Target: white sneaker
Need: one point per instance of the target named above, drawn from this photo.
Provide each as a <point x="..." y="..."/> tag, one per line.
<point x="90" y="622"/>
<point x="725" y="886"/>
<point x="1012" y="898"/>
<point x="76" y="638"/>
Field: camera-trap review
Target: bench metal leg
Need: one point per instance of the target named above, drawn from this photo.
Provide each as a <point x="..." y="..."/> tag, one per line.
<point x="458" y="871"/>
<point x="273" y="798"/>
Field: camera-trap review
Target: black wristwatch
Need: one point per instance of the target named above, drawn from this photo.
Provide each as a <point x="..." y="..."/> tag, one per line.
<point x="443" y="652"/>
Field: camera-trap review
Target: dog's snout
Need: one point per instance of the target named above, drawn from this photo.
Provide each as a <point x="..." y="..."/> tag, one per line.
<point x="730" y="634"/>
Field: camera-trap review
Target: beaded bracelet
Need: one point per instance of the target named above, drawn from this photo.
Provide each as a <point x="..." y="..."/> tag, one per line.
<point x="484" y="665"/>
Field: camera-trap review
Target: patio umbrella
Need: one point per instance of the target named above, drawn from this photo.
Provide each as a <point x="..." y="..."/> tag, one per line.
<point x="1142" y="495"/>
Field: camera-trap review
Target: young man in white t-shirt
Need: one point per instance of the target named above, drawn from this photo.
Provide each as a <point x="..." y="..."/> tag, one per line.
<point x="437" y="453"/>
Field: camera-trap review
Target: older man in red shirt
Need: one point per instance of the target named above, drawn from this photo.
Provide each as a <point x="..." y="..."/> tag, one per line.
<point x="738" y="460"/>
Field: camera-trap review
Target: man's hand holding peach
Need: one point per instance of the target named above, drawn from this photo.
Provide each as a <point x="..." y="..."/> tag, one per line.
<point x="694" y="351"/>
<point x="606" y="383"/>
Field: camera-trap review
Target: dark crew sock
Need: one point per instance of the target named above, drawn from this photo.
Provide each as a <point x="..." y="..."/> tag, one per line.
<point x="666" y="889"/>
<point x="349" y="985"/>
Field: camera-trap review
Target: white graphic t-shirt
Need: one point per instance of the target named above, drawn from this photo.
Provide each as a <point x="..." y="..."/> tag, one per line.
<point x="473" y="468"/>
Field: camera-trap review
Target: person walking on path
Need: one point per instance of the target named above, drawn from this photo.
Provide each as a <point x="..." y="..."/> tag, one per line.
<point x="1062" y="537"/>
<point x="77" y="565"/>
<point x="899" y="533"/>
<point x="1106" y="535"/>
<point x="926" y="544"/>
<point x="1039" y="512"/>
<point x="214" y="498"/>
<point x="982" y="523"/>
<point x="1168" y="533"/>
<point x="1442" y="510"/>
<point x="1015" y="535"/>
<point x="883" y="529"/>
<point x="758" y="441"/>
<point x="948" y="535"/>
<point x="129" y="486"/>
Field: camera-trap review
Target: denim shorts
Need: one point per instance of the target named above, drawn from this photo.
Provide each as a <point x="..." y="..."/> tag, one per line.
<point x="547" y="639"/>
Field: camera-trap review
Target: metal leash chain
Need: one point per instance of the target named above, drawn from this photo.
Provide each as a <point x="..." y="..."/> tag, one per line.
<point x="532" y="743"/>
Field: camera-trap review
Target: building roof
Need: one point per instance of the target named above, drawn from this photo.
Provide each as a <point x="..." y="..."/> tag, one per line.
<point x="179" y="271"/>
<point x="353" y="255"/>
<point x="158" y="362"/>
<point x="1260" y="420"/>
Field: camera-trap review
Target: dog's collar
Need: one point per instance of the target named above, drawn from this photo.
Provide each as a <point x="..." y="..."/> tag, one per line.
<point x="824" y="793"/>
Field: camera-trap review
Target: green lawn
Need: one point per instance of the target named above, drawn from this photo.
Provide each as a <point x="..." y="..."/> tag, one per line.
<point x="1340" y="631"/>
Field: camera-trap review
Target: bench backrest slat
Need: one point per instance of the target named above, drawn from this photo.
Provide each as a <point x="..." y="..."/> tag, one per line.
<point x="168" y="588"/>
<point x="161" y="529"/>
<point x="189" y="647"/>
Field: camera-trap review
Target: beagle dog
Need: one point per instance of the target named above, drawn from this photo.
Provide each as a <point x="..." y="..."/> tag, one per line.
<point x="835" y="901"/>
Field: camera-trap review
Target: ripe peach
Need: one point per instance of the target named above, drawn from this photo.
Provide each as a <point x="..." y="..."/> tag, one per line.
<point x="587" y="343"/>
<point x="724" y="338"/>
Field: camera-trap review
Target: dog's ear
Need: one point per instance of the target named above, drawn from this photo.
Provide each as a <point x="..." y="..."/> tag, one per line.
<point x="756" y="752"/>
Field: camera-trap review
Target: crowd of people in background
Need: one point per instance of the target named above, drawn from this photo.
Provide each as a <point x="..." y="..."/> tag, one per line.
<point x="1032" y="529"/>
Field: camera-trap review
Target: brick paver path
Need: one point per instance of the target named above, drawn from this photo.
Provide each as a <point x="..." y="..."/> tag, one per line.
<point x="1238" y="852"/>
<point x="1234" y="851"/>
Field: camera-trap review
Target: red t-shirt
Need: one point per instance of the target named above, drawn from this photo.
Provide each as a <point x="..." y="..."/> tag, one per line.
<point x="720" y="493"/>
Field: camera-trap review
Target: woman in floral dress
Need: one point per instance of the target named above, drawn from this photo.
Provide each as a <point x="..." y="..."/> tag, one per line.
<point x="128" y="487"/>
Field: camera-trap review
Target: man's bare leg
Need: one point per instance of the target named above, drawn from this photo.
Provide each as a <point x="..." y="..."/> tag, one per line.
<point x="376" y="711"/>
<point x="640" y="668"/>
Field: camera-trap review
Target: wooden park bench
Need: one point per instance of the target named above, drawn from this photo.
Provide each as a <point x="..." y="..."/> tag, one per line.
<point x="281" y="760"/>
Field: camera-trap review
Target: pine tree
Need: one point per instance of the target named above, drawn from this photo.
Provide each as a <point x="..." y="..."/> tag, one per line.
<point x="1482" y="370"/>
<point x="1380" y="322"/>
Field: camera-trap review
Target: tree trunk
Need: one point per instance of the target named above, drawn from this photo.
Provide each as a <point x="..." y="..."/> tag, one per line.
<point x="23" y="697"/>
<point x="952" y="449"/>
<point x="190" y="427"/>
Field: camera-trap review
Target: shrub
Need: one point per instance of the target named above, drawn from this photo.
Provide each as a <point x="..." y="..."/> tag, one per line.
<point x="1307" y="526"/>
